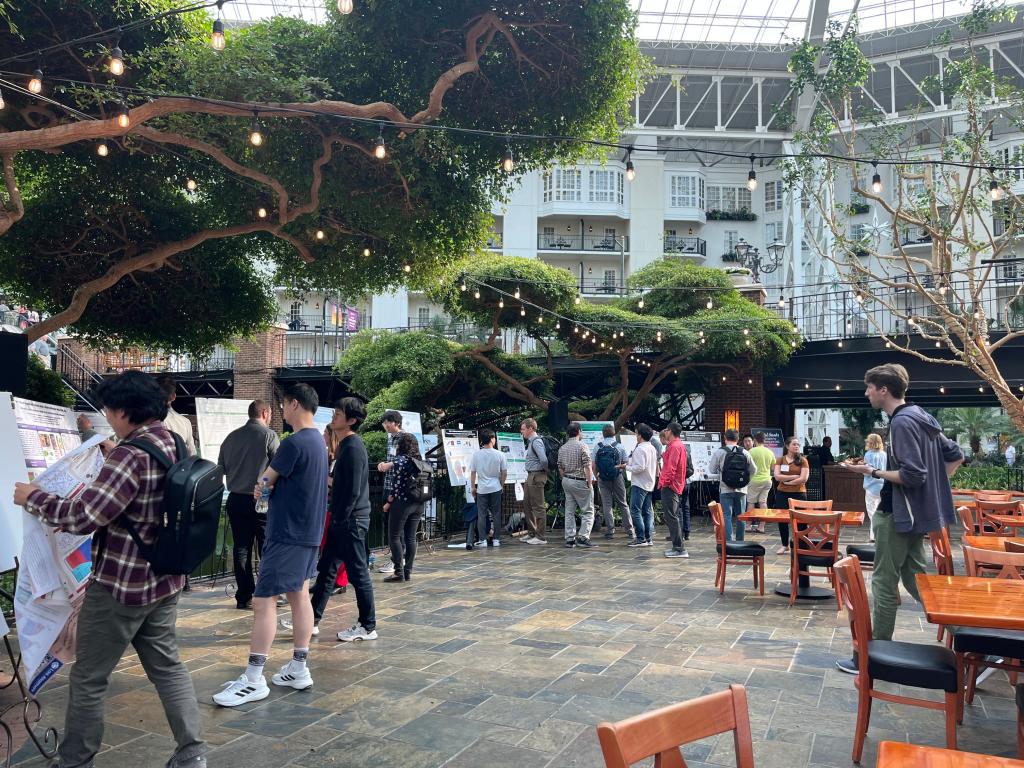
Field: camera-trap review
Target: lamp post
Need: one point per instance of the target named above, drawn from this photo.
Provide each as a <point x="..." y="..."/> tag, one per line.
<point x="751" y="257"/>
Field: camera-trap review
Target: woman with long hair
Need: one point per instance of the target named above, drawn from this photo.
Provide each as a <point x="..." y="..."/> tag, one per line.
<point x="403" y="511"/>
<point x="332" y="440"/>
<point x="874" y="457"/>
<point x="790" y="472"/>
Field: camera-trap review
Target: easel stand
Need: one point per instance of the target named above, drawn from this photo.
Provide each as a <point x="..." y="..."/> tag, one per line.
<point x="31" y="709"/>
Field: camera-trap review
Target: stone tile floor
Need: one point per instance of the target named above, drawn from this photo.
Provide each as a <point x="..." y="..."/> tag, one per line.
<point x="511" y="656"/>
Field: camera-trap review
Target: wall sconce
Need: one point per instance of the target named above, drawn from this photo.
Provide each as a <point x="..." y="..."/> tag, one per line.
<point x="732" y="420"/>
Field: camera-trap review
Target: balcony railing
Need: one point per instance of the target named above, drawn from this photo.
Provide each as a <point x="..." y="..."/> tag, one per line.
<point x="320" y="323"/>
<point x="685" y="245"/>
<point x="1010" y="273"/>
<point x="601" y="287"/>
<point x="569" y="242"/>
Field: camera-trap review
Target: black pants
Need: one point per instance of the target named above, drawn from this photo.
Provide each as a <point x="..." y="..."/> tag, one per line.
<point x="684" y="510"/>
<point x="346" y="543"/>
<point x="247" y="529"/>
<point x="403" y="520"/>
<point x="782" y="499"/>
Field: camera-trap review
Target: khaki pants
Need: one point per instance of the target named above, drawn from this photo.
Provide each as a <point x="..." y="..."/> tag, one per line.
<point x="898" y="556"/>
<point x="534" y="505"/>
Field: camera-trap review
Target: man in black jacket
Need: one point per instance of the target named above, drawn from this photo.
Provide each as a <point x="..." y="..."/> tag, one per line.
<point x="350" y="521"/>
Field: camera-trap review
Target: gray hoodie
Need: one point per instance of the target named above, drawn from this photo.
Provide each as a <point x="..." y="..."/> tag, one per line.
<point x="919" y="451"/>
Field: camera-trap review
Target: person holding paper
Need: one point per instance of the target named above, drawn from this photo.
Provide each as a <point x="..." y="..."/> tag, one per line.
<point x="126" y="603"/>
<point x="487" y="473"/>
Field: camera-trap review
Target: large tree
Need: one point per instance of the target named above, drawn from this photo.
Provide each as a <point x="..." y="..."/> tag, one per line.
<point x="928" y="268"/>
<point x="336" y="216"/>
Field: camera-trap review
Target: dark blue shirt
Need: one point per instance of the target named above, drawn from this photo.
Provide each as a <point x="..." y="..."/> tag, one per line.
<point x="298" y="505"/>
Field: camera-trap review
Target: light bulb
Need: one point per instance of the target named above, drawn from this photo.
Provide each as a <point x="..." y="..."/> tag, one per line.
<point x="630" y="170"/>
<point x="407" y="268"/>
<point x="116" y="65"/>
<point x="558" y="324"/>
<point x="191" y="185"/>
<point x="501" y="303"/>
<point x="540" y="318"/>
<point x="876" y="184"/>
<point x="640" y="304"/>
<point x="261" y="212"/>
<point x="255" y="136"/>
<point x="476" y="294"/>
<point x="942" y="390"/>
<point x="320" y="234"/>
<point x="217" y="41"/>
<point x="522" y="311"/>
<point x="517" y="293"/>
<point x="995" y="191"/>
<point x="462" y="287"/>
<point x="507" y="163"/>
<point x="379" y="150"/>
<point x="123" y="118"/>
<point x="782" y="302"/>
<point x="2" y="105"/>
<point x="345" y="7"/>
<point x="35" y="83"/>
<point x="102" y="149"/>
<point x="710" y="304"/>
<point x="577" y="299"/>
<point x="752" y="180"/>
<point x="366" y="251"/>
<point x="746" y="331"/>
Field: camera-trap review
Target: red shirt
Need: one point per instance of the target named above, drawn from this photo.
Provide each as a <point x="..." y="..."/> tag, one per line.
<point x="673" y="467"/>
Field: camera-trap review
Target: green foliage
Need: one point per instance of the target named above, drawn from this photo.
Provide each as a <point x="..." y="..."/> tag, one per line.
<point x="376" y="360"/>
<point x="45" y="385"/>
<point x="982" y="479"/>
<point x="741" y="214"/>
<point x="974" y="424"/>
<point x="860" y="422"/>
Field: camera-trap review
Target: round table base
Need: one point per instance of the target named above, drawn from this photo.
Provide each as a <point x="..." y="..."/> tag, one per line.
<point x="806" y="593"/>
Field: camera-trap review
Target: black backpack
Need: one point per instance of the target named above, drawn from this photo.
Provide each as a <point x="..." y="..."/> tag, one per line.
<point x="193" y="491"/>
<point x="735" y="472"/>
<point x="606" y="459"/>
<point x="551" y="446"/>
<point x="689" y="464"/>
<point x="420" y="486"/>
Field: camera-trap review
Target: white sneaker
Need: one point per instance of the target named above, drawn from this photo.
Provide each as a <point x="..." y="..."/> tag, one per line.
<point x="357" y="633"/>
<point x="316" y="630"/>
<point x="386" y="567"/>
<point x="300" y="681"/>
<point x="242" y="691"/>
<point x="285" y="623"/>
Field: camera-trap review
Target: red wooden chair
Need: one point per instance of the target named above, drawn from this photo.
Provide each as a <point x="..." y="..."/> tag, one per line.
<point x="815" y="545"/>
<point x="734" y="552"/>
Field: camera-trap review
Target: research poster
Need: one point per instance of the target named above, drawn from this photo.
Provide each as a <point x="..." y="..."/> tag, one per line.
<point x="701" y="446"/>
<point x="412" y="424"/>
<point x="591" y="433"/>
<point x="100" y="423"/>
<point x="773" y="439"/>
<point x="216" y="418"/>
<point x="459" y="447"/>
<point x="512" y="445"/>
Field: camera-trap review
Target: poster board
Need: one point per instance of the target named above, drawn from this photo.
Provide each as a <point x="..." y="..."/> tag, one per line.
<point x="701" y="446"/>
<point x="412" y="424"/>
<point x="459" y="447"/>
<point x="773" y="439"/>
<point x="628" y="442"/>
<point x="216" y="418"/>
<point x="100" y="423"/>
<point x="12" y="470"/>
<point x="512" y="445"/>
<point x="591" y="433"/>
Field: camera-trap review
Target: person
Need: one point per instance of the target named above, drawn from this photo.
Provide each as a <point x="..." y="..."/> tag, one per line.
<point x="125" y="602"/>
<point x="748" y="443"/>
<point x="825" y="451"/>
<point x="761" y="481"/>
<point x="578" y="483"/>
<point x="916" y="498"/>
<point x="790" y="472"/>
<point x="349" y="524"/>
<point x="643" y="464"/>
<point x="488" y="470"/>
<point x="174" y="421"/>
<point x="331" y="440"/>
<point x="874" y="456"/>
<point x="85" y="429"/>
<point x="392" y="423"/>
<point x="609" y="458"/>
<point x="297" y="478"/>
<point x="733" y="499"/>
<point x="672" y="483"/>
<point x="244" y="455"/>
<point x="534" y="500"/>
<point x="1011" y="455"/>
<point x="403" y="511"/>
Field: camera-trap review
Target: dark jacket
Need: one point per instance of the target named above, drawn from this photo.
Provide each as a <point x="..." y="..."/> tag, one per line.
<point x="919" y="451"/>
<point x="350" y="494"/>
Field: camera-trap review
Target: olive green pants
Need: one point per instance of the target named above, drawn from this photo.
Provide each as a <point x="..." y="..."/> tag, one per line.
<point x="898" y="556"/>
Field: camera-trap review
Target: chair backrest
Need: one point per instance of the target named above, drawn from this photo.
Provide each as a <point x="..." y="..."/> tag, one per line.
<point x="661" y="732"/>
<point x="810" y="506"/>
<point x="985" y="509"/>
<point x="942" y="552"/>
<point x="815" y="533"/>
<point x="853" y="595"/>
<point x="967" y="520"/>
<point x="1013" y="546"/>
<point x="984" y="562"/>
<point x="718" y="521"/>
<point x="992" y="496"/>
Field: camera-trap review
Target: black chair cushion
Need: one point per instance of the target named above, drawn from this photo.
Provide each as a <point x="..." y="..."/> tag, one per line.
<point x="817" y="561"/>
<point x="741" y="549"/>
<point x="922" y="666"/>
<point x="866" y="552"/>
<point x="995" y="642"/>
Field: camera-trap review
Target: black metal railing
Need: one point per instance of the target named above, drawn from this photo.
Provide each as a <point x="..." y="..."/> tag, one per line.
<point x="601" y="287"/>
<point x="77" y="374"/>
<point x="685" y="245"/>
<point x="569" y="242"/>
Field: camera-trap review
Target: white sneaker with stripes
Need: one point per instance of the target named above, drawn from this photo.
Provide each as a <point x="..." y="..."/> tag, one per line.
<point x="242" y="691"/>
<point x="289" y="678"/>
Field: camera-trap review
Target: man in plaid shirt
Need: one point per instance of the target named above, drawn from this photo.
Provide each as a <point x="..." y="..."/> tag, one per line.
<point x="392" y="423"/>
<point x="125" y="602"/>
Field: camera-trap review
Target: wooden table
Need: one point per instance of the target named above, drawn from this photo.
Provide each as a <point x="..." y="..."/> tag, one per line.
<point x="804" y="589"/>
<point x="893" y="754"/>
<point x="968" y="601"/>
<point x="991" y="543"/>
<point x="1007" y="521"/>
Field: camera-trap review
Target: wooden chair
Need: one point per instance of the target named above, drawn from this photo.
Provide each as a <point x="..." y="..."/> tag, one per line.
<point x="810" y="506"/>
<point x="660" y="733"/>
<point x="1013" y="546"/>
<point x="991" y="527"/>
<point x="1020" y="721"/>
<point x="734" y="552"/>
<point x="942" y="556"/>
<point x="993" y="496"/>
<point x="815" y="544"/>
<point x="910" y="664"/>
<point x="967" y="520"/>
<point x="976" y="646"/>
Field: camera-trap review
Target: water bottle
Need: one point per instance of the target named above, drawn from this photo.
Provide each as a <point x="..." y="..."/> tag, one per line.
<point x="371" y="560"/>
<point x="263" y="502"/>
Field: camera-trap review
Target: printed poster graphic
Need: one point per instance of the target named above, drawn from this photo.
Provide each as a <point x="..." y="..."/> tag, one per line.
<point x="701" y="446"/>
<point x="459" y="447"/>
<point x="773" y="439"/>
<point x="512" y="445"/>
<point x="591" y="433"/>
<point x="216" y="418"/>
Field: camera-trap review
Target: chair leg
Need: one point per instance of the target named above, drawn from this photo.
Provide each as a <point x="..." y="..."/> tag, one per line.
<point x="760" y="568"/>
<point x="972" y="679"/>
<point x="951" y="710"/>
<point x="960" y="668"/>
<point x="835" y="587"/>
<point x="794" y="577"/>
<point x="720" y="577"/>
<point x="863" y="716"/>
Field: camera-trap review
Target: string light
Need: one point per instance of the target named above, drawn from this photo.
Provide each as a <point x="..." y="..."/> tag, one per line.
<point x="191" y="185"/>
<point x="407" y="268"/>
<point x="838" y="387"/>
<point x="752" y="176"/>
<point x="476" y="294"/>
<point x="522" y="311"/>
<point x="507" y="163"/>
<point x="35" y="83"/>
<point x="217" y="41"/>
<point x="102" y="149"/>
<point x="746" y="331"/>
<point x="116" y="64"/>
<point x="710" y="304"/>
<point x="640" y="304"/>
<point x="366" y="251"/>
<point x="630" y="170"/>
<point x="806" y="385"/>
<point x="501" y="303"/>
<point x="255" y="137"/>
<point x="261" y="212"/>
<point x="558" y="325"/>
<point x="995" y="192"/>
<point x="463" y="286"/>
<point x="516" y="294"/>
<point x="778" y="383"/>
<point x="379" y="150"/>
<point x="2" y="104"/>
<point x="782" y="301"/>
<point x="345" y="7"/>
<point x="942" y="390"/>
<point x="577" y="299"/>
<point x="320" y="234"/>
<point x="876" y="179"/>
<point x="750" y="381"/>
<point x="123" y="118"/>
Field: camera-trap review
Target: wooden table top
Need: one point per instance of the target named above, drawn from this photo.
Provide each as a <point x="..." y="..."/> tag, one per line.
<point x="972" y="602"/>
<point x="992" y="543"/>
<point x="782" y="516"/>
<point x="893" y="754"/>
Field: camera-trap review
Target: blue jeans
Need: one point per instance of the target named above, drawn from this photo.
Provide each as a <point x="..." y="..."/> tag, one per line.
<point x="642" y="512"/>
<point x="733" y="505"/>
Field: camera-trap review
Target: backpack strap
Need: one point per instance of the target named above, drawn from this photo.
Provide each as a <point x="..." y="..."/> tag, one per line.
<point x="164" y="461"/>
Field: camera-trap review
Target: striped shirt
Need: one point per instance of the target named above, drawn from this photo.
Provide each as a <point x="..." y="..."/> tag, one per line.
<point x="130" y="484"/>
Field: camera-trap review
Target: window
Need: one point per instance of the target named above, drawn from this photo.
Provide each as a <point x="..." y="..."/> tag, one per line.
<point x="858" y="232"/>
<point x="772" y="196"/>
<point x="548" y="239"/>
<point x="295" y="312"/>
<point x="609" y="278"/>
<point x="423" y="316"/>
<point x="684" y="191"/>
<point x="731" y="238"/>
<point x="547" y="186"/>
<point x="1013" y="155"/>
<point x="606" y="186"/>
<point x="568" y="184"/>
<point x="772" y="232"/>
<point x="728" y="198"/>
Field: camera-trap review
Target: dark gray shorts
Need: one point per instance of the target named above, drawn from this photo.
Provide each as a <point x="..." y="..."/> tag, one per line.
<point x="284" y="567"/>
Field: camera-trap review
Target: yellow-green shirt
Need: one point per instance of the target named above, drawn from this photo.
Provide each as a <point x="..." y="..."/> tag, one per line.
<point x="764" y="460"/>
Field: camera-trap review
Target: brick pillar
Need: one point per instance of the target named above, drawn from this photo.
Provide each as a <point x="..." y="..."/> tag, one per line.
<point x="256" y="362"/>
<point x="735" y="394"/>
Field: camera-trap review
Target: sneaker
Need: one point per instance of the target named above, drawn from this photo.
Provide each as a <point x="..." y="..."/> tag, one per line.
<point x="288" y="678"/>
<point x="570" y="543"/>
<point x="676" y="553"/>
<point x="285" y="623"/>
<point x="849" y="666"/>
<point x="469" y="547"/>
<point x="539" y="541"/>
<point x="387" y="567"/>
<point x="241" y="691"/>
<point x="585" y="543"/>
<point x="648" y="543"/>
<point x="357" y="633"/>
<point x="199" y="761"/>
<point x="635" y="543"/>
<point x="610" y="535"/>
<point x="316" y="630"/>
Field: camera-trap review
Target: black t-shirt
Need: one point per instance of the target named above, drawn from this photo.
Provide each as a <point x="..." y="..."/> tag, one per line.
<point x="885" y="497"/>
<point x="351" y="488"/>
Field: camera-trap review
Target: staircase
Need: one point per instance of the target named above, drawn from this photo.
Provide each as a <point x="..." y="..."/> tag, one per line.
<point x="78" y="375"/>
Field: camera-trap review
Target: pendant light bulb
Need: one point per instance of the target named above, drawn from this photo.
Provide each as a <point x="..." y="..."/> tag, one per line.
<point x="217" y="41"/>
<point x="366" y="251"/>
<point x="2" y="105"/>
<point x="261" y="212"/>
<point x="191" y="185"/>
<point x="123" y="118"/>
<point x="102" y="149"/>
<point x="35" y="83"/>
<point x="116" y="65"/>
<point x="876" y="180"/>
<point x="782" y="301"/>
<point x="630" y="170"/>
<point x="476" y="294"/>
<point x="640" y="304"/>
<point x="752" y="176"/>
<point x="507" y="163"/>
<point x="710" y="304"/>
<point x="320" y="234"/>
<point x="379" y="150"/>
<point x="995" y="192"/>
<point x="255" y="136"/>
<point x="345" y="7"/>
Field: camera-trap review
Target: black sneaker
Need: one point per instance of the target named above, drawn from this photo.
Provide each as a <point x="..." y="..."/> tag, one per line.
<point x="585" y="543"/>
<point x="569" y="543"/>
<point x="469" y="546"/>
<point x="490" y="542"/>
<point x="849" y="666"/>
